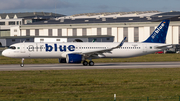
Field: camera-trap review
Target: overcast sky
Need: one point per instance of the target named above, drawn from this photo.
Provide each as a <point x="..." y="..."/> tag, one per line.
<point x="70" y="7"/>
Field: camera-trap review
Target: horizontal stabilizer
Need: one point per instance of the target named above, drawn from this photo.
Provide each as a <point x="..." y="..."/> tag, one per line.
<point x="163" y="46"/>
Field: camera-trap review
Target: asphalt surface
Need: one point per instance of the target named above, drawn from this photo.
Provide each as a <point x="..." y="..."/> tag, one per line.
<point x="96" y="66"/>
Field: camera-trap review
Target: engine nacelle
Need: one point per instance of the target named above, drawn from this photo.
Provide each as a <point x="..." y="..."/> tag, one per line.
<point x="73" y="58"/>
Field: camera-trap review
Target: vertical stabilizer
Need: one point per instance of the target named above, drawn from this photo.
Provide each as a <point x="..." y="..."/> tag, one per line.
<point x="159" y="34"/>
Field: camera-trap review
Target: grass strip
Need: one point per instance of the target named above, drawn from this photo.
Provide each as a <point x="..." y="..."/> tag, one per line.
<point x="88" y="84"/>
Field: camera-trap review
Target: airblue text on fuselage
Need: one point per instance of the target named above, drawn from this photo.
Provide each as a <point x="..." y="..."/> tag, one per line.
<point x="62" y="48"/>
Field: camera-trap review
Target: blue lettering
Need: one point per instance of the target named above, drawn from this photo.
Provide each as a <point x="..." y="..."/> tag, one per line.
<point x="55" y="47"/>
<point x="48" y="48"/>
<point x="62" y="48"/>
<point x="71" y="47"/>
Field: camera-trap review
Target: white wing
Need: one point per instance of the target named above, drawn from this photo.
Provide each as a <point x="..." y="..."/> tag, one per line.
<point x="87" y="54"/>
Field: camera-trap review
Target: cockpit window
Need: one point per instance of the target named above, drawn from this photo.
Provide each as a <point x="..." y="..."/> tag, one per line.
<point x="12" y="47"/>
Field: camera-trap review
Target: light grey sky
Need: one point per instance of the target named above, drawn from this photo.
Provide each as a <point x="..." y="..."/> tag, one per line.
<point x="70" y="7"/>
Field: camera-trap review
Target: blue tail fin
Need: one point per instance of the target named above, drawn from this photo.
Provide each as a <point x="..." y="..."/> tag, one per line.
<point x="159" y="34"/>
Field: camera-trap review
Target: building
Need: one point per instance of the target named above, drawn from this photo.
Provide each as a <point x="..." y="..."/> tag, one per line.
<point x="7" y="41"/>
<point x="10" y="22"/>
<point x="136" y="26"/>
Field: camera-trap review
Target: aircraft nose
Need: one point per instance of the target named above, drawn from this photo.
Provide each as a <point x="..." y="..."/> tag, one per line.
<point x="4" y="53"/>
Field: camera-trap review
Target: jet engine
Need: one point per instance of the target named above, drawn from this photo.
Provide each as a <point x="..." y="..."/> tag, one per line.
<point x="73" y="58"/>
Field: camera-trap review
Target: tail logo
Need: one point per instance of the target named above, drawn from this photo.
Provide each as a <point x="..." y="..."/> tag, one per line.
<point x="157" y="31"/>
<point x="159" y="34"/>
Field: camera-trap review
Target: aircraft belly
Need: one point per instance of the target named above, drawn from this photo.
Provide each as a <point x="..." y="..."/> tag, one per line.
<point x="44" y="55"/>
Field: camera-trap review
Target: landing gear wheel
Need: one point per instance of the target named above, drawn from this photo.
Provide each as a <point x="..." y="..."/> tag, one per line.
<point x="22" y="62"/>
<point x="22" y="65"/>
<point x="85" y="63"/>
<point x="91" y="63"/>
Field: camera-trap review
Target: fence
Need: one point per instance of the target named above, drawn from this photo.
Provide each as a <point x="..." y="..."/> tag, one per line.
<point x="174" y="98"/>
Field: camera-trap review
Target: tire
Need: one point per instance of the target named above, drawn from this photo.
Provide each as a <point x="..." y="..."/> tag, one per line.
<point x="22" y="65"/>
<point x="85" y="63"/>
<point x="91" y="63"/>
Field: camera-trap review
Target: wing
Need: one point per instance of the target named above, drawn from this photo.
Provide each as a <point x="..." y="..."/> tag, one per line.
<point x="100" y="52"/>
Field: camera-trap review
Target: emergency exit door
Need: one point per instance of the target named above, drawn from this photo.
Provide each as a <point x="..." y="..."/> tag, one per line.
<point x="144" y="48"/>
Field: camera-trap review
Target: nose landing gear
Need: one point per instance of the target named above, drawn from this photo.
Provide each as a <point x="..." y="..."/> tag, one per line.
<point x="22" y="62"/>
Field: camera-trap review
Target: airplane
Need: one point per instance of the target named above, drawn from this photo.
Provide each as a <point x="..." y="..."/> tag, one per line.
<point x="75" y="52"/>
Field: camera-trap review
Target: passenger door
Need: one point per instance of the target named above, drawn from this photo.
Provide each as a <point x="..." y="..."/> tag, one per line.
<point x="22" y="48"/>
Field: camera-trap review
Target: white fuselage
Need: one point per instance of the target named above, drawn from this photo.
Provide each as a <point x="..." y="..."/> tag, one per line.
<point x="60" y="50"/>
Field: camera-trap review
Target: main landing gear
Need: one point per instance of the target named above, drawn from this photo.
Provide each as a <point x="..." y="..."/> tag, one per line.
<point x="22" y="62"/>
<point x="85" y="63"/>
